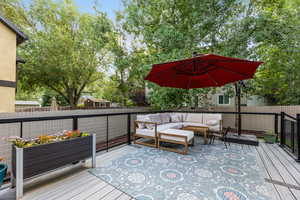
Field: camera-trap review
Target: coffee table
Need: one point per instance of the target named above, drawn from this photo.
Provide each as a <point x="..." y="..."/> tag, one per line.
<point x="199" y="129"/>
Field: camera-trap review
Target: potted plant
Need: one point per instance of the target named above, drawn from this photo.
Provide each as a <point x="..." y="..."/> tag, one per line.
<point x="3" y="170"/>
<point x="270" y="137"/>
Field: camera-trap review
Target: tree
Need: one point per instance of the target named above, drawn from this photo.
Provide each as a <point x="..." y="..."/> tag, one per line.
<point x="278" y="45"/>
<point x="173" y="29"/>
<point x="66" y="51"/>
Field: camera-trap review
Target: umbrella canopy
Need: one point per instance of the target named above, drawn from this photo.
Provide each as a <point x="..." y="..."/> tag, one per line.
<point x="206" y="70"/>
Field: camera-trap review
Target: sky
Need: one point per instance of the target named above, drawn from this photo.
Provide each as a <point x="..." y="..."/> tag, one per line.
<point x="107" y="6"/>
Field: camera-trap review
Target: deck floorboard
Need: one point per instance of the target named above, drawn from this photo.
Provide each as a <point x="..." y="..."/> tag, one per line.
<point x="281" y="172"/>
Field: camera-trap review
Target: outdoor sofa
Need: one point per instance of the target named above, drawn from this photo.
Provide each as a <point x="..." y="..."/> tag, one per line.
<point x="157" y="127"/>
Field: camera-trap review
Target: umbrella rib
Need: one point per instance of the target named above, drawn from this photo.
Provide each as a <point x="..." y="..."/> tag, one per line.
<point x="182" y="65"/>
<point x="189" y="83"/>
<point x="228" y="70"/>
<point x="216" y="82"/>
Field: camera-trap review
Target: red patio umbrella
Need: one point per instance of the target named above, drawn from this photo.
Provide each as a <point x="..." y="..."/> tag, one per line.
<point x="207" y="70"/>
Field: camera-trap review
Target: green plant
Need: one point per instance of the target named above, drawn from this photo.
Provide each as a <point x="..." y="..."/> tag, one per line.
<point x="270" y="133"/>
<point x="270" y="137"/>
<point x="84" y="134"/>
<point x="45" y="139"/>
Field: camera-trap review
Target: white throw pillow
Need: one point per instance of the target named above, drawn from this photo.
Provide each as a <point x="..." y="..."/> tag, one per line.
<point x="212" y="122"/>
<point x="143" y="118"/>
<point x="150" y="126"/>
<point x="194" y="117"/>
<point x="153" y="118"/>
<point x="175" y="117"/>
<point x="165" y="118"/>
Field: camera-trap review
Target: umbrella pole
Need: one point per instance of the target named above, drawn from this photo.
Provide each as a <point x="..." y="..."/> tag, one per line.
<point x="238" y="94"/>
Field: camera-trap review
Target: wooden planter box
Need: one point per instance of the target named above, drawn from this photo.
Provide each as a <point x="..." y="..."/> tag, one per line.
<point x="32" y="161"/>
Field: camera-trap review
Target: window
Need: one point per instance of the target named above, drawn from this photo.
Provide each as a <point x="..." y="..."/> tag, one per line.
<point x="223" y="100"/>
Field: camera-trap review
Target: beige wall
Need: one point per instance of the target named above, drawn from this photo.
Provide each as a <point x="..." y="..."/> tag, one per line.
<point x="7" y="67"/>
<point x="7" y="99"/>
<point x="257" y="122"/>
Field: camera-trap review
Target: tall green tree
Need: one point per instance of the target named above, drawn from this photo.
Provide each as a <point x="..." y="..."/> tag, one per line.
<point x="173" y="29"/>
<point x="279" y="47"/>
<point x="66" y="51"/>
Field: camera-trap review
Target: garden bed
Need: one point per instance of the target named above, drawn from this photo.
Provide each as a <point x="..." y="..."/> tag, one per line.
<point x="46" y="157"/>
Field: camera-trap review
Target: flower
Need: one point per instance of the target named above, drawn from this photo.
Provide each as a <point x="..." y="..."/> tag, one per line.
<point x="45" y="139"/>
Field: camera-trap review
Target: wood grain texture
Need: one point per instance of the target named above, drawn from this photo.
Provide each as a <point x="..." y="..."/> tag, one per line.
<point x="276" y="166"/>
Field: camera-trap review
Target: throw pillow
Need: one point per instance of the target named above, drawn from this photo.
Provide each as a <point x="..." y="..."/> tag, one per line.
<point x="212" y="122"/>
<point x="165" y="118"/>
<point x="175" y="117"/>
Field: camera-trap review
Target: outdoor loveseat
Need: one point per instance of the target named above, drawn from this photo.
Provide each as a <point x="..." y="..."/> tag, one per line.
<point x="159" y="126"/>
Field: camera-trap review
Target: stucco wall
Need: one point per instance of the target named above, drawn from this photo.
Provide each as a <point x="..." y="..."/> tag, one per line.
<point x="7" y="67"/>
<point x="7" y="99"/>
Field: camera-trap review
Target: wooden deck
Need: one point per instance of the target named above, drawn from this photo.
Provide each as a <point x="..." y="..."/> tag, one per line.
<point x="281" y="172"/>
<point x="71" y="183"/>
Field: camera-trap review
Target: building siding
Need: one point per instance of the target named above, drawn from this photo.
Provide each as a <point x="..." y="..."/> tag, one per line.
<point x="8" y="47"/>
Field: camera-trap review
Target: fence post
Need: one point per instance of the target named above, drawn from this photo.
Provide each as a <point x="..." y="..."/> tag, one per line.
<point x="107" y="137"/>
<point x="282" y="129"/>
<point x="298" y="138"/>
<point x="75" y="123"/>
<point x="129" y="129"/>
<point x="276" y="126"/>
<point x="21" y="129"/>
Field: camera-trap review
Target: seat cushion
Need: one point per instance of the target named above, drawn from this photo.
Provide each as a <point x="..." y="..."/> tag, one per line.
<point x="194" y="117"/>
<point x="214" y="128"/>
<point x="162" y="127"/>
<point x="189" y="134"/>
<point x="145" y="132"/>
<point x="193" y="124"/>
<point x="143" y="118"/>
<point x="209" y="116"/>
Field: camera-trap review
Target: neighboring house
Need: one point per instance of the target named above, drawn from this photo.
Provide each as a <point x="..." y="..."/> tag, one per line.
<point x="92" y="102"/>
<point x="27" y="104"/>
<point x="221" y="99"/>
<point x="10" y="38"/>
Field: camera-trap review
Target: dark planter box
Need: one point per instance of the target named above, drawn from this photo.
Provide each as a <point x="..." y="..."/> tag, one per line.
<point x="42" y="158"/>
<point x="32" y="161"/>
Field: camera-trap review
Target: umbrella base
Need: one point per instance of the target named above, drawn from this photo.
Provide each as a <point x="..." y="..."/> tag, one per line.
<point x="242" y="139"/>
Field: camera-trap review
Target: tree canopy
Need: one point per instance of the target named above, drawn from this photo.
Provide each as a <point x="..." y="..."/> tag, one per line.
<point x="69" y="51"/>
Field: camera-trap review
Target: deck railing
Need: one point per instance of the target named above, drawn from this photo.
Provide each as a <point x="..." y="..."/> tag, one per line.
<point x="111" y="129"/>
<point x="290" y="134"/>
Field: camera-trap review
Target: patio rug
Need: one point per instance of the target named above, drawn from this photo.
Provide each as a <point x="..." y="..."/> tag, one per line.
<point x="208" y="172"/>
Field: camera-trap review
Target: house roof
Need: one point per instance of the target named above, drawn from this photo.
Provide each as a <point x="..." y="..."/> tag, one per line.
<point x="31" y="103"/>
<point x="21" y="37"/>
<point x="94" y="99"/>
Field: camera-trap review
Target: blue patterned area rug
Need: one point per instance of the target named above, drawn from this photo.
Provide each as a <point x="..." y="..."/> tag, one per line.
<point x="208" y="172"/>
